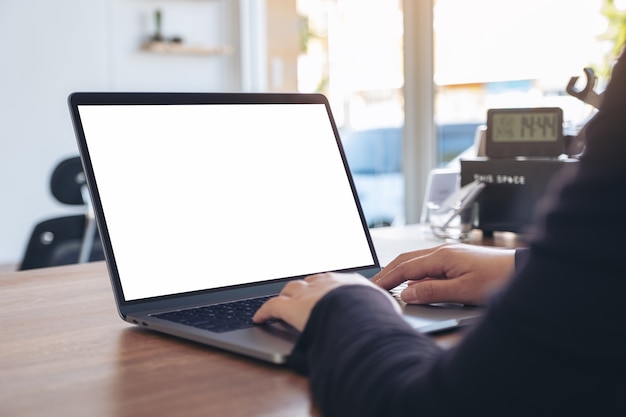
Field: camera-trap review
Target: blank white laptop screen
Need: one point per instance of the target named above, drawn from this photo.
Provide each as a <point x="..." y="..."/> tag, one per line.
<point x="201" y="196"/>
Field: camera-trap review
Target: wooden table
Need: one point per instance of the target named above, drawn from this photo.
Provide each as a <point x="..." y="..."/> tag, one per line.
<point x="65" y="352"/>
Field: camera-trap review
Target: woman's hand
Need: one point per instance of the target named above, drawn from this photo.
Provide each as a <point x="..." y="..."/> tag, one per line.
<point x="456" y="273"/>
<point x="296" y="300"/>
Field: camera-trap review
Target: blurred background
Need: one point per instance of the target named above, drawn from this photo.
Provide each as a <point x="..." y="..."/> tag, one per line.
<point x="409" y="81"/>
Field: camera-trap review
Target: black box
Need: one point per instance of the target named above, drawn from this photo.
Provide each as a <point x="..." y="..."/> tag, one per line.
<point x="513" y="187"/>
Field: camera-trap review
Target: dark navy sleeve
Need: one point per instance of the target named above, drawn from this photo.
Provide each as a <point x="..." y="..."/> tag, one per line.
<point x="521" y="255"/>
<point x="360" y="355"/>
<point x="553" y="343"/>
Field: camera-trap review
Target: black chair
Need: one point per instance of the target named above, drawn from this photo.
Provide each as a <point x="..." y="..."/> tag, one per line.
<point x="69" y="239"/>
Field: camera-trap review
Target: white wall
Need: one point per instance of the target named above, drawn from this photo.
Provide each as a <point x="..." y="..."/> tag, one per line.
<point x="50" y="48"/>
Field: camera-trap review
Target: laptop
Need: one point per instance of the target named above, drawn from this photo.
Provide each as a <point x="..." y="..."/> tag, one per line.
<point x="207" y="201"/>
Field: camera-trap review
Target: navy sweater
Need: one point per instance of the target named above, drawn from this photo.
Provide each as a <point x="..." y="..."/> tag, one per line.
<point x="553" y="343"/>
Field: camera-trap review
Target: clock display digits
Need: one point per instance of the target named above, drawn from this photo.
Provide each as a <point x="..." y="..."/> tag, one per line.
<point x="525" y="127"/>
<point x="538" y="127"/>
<point x="525" y="132"/>
<point x="528" y="123"/>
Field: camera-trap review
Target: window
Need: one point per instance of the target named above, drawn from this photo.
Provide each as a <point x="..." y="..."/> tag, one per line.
<point x="486" y="54"/>
<point x="352" y="52"/>
<point x="512" y="53"/>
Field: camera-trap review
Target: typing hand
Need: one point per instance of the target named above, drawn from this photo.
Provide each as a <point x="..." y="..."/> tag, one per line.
<point x="456" y="273"/>
<point x="295" y="302"/>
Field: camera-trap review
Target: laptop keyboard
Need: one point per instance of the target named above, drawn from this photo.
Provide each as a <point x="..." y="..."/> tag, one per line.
<point x="218" y="318"/>
<point x="395" y="292"/>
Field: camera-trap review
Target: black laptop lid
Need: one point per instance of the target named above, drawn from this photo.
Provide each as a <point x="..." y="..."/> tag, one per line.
<point x="196" y="193"/>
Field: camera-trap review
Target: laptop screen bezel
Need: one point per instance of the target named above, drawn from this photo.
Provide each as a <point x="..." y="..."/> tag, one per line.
<point x="207" y="295"/>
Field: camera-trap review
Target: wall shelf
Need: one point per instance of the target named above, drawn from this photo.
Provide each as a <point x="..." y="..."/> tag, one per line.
<point x="175" y="48"/>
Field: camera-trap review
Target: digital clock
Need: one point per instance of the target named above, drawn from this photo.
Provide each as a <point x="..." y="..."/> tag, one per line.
<point x="529" y="132"/>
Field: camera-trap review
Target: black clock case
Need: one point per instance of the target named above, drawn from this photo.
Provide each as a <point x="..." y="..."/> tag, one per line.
<point x="513" y="187"/>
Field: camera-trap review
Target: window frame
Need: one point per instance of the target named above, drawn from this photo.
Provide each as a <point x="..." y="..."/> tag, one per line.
<point x="419" y="147"/>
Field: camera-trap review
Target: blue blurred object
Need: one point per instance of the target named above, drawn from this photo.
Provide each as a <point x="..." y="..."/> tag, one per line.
<point x="375" y="160"/>
<point x="453" y="139"/>
<point x="374" y="151"/>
